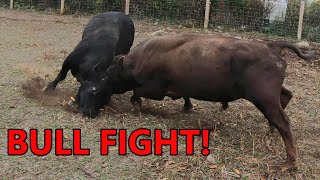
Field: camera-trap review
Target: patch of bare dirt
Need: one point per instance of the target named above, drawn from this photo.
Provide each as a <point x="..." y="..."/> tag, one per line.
<point x="32" y="89"/>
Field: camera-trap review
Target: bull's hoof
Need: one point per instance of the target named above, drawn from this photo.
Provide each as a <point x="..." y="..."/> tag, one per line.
<point x="48" y="88"/>
<point x="289" y="165"/>
<point x="44" y="89"/>
<point x="224" y="105"/>
<point x="136" y="111"/>
<point x="136" y="108"/>
<point x="187" y="109"/>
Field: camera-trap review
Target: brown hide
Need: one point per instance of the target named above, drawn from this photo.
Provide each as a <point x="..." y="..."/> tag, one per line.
<point x="213" y="68"/>
<point x="216" y="68"/>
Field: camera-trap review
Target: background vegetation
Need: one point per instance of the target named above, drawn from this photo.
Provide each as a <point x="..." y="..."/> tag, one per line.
<point x="239" y="15"/>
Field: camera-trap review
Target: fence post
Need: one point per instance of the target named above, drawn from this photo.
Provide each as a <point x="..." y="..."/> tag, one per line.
<point x="127" y="7"/>
<point x="11" y="4"/>
<point x="62" y="7"/>
<point x="300" y="19"/>
<point x="206" y="16"/>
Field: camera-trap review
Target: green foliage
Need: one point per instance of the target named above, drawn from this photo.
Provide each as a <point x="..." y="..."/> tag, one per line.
<point x="240" y="14"/>
<point x="312" y="22"/>
<point x="36" y="4"/>
<point x="289" y="26"/>
<point x="4" y="3"/>
<point x="185" y="12"/>
<point x="292" y="17"/>
<point x="313" y="13"/>
<point x="90" y="7"/>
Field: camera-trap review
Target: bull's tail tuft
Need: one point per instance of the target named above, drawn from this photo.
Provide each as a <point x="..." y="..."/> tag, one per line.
<point x="280" y="45"/>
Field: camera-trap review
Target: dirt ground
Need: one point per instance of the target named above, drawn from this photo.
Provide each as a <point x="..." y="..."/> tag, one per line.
<point x="34" y="45"/>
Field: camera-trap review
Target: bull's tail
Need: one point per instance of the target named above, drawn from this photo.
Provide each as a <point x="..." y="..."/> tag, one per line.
<point x="280" y="45"/>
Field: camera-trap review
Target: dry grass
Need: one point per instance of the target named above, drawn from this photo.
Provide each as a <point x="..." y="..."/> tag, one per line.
<point x="240" y="143"/>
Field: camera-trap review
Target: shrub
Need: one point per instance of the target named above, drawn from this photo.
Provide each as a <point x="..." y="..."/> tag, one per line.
<point x="311" y="22"/>
<point x="186" y="12"/>
<point x="36" y="4"/>
<point x="89" y="6"/>
<point x="243" y="14"/>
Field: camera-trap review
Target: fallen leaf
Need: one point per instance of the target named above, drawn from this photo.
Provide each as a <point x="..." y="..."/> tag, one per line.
<point x="182" y="168"/>
<point x="213" y="166"/>
<point x="169" y="163"/>
<point x="237" y="171"/>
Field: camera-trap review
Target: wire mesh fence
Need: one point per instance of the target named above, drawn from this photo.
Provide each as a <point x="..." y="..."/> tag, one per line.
<point x="273" y="17"/>
<point x="34" y="4"/>
<point x="91" y="7"/>
<point x="184" y="12"/>
<point x="5" y="3"/>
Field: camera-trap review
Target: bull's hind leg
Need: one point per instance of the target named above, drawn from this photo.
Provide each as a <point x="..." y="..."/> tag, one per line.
<point x="224" y="105"/>
<point x="136" y="102"/>
<point x="285" y="98"/>
<point x="272" y="110"/>
<point x="187" y="105"/>
<point x="61" y="76"/>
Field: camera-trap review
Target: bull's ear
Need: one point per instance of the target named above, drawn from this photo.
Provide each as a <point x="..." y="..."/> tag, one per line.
<point x="116" y="58"/>
<point x="98" y="67"/>
<point x="119" y="61"/>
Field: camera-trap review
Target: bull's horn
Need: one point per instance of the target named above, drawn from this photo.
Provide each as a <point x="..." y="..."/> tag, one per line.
<point x="71" y="103"/>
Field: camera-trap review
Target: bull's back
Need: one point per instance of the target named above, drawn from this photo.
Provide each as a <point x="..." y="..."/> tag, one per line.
<point x="185" y="61"/>
<point x="183" y="53"/>
<point x="204" y="65"/>
<point x="100" y="41"/>
<point x="114" y="26"/>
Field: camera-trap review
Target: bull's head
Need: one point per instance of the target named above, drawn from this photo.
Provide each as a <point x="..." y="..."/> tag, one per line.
<point x="93" y="94"/>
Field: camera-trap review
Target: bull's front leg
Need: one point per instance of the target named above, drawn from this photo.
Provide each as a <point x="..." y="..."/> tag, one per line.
<point x="285" y="98"/>
<point x="136" y="103"/>
<point x="60" y="77"/>
<point x="187" y="105"/>
<point x="153" y="89"/>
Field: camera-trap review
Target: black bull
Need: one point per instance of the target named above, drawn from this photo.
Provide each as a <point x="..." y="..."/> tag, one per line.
<point x="105" y="35"/>
<point x="210" y="68"/>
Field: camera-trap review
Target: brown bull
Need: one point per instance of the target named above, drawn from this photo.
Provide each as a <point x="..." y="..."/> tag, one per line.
<point x="210" y="68"/>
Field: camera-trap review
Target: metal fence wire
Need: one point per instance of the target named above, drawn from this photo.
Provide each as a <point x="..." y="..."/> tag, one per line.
<point x="272" y="17"/>
<point x="189" y="13"/>
<point x="91" y="6"/>
<point x="34" y="4"/>
<point x="5" y="3"/>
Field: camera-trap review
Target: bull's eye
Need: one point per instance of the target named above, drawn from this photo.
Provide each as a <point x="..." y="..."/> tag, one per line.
<point x="94" y="89"/>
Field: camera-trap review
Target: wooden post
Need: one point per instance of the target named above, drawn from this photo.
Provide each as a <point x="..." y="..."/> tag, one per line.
<point x="300" y="19"/>
<point x="127" y="7"/>
<point x="206" y="16"/>
<point x="62" y="7"/>
<point x="11" y="4"/>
